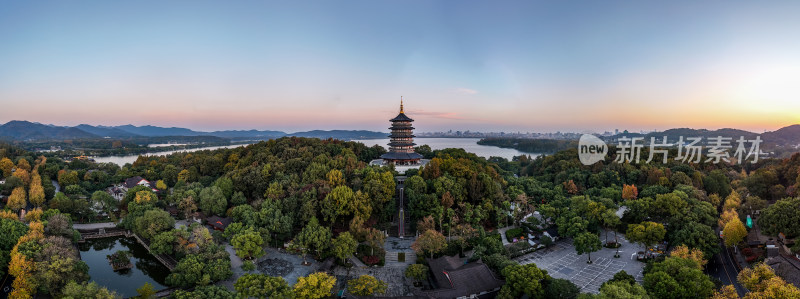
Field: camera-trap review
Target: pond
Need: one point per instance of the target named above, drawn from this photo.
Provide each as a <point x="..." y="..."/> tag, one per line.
<point x="146" y="268"/>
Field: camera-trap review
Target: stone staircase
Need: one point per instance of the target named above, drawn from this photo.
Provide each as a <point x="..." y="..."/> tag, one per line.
<point x="392" y="258"/>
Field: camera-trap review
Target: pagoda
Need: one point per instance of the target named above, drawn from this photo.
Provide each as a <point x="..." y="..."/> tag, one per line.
<point x="401" y="143"/>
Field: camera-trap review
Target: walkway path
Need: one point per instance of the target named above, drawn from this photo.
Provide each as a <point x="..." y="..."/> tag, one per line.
<point x="502" y="232"/>
<point x="93" y="226"/>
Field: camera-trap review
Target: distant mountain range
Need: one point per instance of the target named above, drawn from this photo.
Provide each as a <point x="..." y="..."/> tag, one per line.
<point x="19" y="130"/>
<point x="783" y="140"/>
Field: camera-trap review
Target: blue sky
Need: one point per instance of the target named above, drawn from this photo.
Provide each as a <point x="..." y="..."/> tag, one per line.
<point x="479" y="65"/>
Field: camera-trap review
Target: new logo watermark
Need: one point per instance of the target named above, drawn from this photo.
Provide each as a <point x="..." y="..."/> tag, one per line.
<point x="592" y="149"/>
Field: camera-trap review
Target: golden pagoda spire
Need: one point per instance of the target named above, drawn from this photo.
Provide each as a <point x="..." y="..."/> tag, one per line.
<point x="401" y="104"/>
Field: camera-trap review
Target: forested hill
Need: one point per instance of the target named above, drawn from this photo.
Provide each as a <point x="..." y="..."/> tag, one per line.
<point x="781" y="143"/>
<point x="18" y="130"/>
<point x="531" y="145"/>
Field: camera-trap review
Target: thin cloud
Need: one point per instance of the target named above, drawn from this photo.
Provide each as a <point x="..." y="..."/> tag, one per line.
<point x="443" y="115"/>
<point x="465" y="91"/>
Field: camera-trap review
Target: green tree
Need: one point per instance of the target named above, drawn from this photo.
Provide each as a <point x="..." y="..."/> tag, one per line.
<point x="677" y="278"/>
<point x="274" y="219"/>
<point x="163" y="243"/>
<point x="557" y="288"/>
<point x="204" y="292"/>
<point x="104" y="200"/>
<point x="418" y="272"/>
<point x="344" y="246"/>
<point x="153" y="222"/>
<point x="366" y="285"/>
<point x="610" y="220"/>
<point x="200" y="270"/>
<point x="781" y="217"/>
<point x="622" y="290"/>
<point x="212" y="201"/>
<point x="699" y="236"/>
<point x="10" y="232"/>
<point x="146" y="291"/>
<point x="431" y="242"/>
<point x="587" y="243"/>
<point x="225" y="184"/>
<point x="647" y="233"/>
<point x="315" y="285"/>
<point x="248" y="244"/>
<point x="74" y="290"/>
<point x="313" y="237"/>
<point x="187" y="206"/>
<point x="524" y="279"/>
<point x="262" y="286"/>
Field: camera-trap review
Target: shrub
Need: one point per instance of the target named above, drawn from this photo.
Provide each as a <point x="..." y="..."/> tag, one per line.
<point x="370" y="260"/>
<point x="747" y="251"/>
<point x="248" y="266"/>
<point x="514" y="233"/>
<point x="546" y="241"/>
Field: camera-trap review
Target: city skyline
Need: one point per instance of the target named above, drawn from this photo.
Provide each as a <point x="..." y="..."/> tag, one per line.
<point x="523" y="66"/>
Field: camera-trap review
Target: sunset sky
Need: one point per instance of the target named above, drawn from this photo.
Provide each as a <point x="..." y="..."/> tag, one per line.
<point x="480" y="65"/>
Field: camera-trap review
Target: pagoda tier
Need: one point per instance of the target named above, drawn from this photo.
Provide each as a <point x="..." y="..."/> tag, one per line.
<point x="401" y="144"/>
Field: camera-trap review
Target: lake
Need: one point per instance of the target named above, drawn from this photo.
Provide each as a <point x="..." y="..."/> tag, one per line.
<point x="121" y="160"/>
<point x="146" y="267"/>
<point x="468" y="144"/>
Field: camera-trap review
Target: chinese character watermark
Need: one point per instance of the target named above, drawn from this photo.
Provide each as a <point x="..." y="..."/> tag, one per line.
<point x="592" y="149"/>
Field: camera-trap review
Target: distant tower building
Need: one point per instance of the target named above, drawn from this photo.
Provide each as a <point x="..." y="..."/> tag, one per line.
<point x="401" y="144"/>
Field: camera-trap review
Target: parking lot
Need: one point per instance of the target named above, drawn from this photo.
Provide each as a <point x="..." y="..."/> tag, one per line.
<point x="561" y="261"/>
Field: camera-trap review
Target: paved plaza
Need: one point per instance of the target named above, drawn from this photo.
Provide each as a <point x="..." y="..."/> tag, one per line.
<point x="561" y="261"/>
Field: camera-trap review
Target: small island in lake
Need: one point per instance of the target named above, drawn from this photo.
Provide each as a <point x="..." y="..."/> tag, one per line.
<point x="120" y="260"/>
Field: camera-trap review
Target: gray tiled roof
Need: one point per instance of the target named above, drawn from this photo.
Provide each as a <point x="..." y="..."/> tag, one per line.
<point x="401" y="117"/>
<point x="401" y="156"/>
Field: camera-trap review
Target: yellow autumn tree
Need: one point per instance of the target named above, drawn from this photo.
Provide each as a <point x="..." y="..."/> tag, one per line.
<point x="33" y="215"/>
<point x="314" y="286"/>
<point x="21" y="267"/>
<point x="732" y="202"/>
<point x="144" y="196"/>
<point x="694" y="254"/>
<point x="23" y="164"/>
<point x="726" y="292"/>
<point x="36" y="194"/>
<point x="184" y="175"/>
<point x="6" y="166"/>
<point x="763" y="283"/>
<point x="734" y="232"/>
<point x="335" y="178"/>
<point x="366" y="285"/>
<point x="17" y="199"/>
<point x="9" y="215"/>
<point x="161" y="186"/>
<point x="23" y="175"/>
<point x="726" y="217"/>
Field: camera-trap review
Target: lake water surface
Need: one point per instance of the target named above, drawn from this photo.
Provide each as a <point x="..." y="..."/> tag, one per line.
<point x="121" y="160"/>
<point x="468" y="144"/>
<point x="146" y="268"/>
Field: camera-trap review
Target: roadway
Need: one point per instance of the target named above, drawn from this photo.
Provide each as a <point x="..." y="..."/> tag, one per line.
<point x="723" y="267"/>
